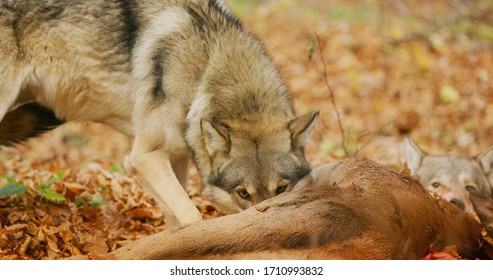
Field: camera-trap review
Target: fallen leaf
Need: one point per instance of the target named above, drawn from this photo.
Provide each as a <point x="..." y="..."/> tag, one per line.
<point x="449" y="94"/>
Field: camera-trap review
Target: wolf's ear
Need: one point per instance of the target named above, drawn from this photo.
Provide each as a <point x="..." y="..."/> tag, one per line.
<point x="301" y="129"/>
<point x="414" y="155"/>
<point x="216" y="136"/>
<point x="485" y="159"/>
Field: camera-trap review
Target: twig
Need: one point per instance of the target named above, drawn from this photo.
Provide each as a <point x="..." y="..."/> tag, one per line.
<point x="373" y="134"/>
<point x="383" y="39"/>
<point x="332" y="95"/>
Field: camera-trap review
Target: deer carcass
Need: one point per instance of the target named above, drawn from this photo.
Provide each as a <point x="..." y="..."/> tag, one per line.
<point x="354" y="209"/>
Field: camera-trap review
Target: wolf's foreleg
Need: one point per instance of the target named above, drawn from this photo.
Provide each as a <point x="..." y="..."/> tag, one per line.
<point x="154" y="171"/>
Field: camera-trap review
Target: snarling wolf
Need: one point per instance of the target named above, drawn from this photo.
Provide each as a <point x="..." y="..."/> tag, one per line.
<point x="452" y="177"/>
<point x="183" y="78"/>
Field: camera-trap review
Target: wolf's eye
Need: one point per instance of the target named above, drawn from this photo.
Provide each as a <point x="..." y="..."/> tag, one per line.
<point x="470" y="188"/>
<point x="436" y="185"/>
<point x="283" y="185"/>
<point x="243" y="194"/>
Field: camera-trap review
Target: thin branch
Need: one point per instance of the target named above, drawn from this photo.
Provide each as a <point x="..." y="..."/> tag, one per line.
<point x="373" y="134"/>
<point x="384" y="64"/>
<point x="332" y="95"/>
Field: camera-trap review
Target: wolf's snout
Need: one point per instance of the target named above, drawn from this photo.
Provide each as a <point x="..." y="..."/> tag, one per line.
<point x="459" y="203"/>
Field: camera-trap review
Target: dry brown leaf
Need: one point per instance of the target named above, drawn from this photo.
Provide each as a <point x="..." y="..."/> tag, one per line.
<point x="16" y="227"/>
<point x="139" y="213"/>
<point x="51" y="243"/>
<point x="25" y="245"/>
<point x="74" y="186"/>
<point x="32" y="228"/>
<point x="108" y="256"/>
<point x="94" y="244"/>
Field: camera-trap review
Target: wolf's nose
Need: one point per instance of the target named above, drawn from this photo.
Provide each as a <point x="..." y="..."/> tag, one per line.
<point x="459" y="203"/>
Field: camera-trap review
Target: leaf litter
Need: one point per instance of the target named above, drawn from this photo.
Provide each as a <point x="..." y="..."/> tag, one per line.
<point x="418" y="69"/>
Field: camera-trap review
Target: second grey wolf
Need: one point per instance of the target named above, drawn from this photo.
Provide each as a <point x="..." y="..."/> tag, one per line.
<point x="452" y="177"/>
<point x="355" y="209"/>
<point x="183" y="78"/>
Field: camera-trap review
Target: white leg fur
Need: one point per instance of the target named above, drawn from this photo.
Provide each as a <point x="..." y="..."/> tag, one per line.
<point x="154" y="171"/>
<point x="150" y="161"/>
<point x="150" y="158"/>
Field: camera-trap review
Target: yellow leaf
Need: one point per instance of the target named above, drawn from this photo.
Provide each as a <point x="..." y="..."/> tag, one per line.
<point x="449" y="94"/>
<point x="422" y="57"/>
<point x="396" y="32"/>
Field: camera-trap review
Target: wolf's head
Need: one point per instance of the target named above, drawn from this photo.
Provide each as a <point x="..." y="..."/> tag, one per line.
<point x="252" y="163"/>
<point x="451" y="177"/>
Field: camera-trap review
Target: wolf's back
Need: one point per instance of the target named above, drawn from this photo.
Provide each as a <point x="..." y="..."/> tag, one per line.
<point x="25" y="122"/>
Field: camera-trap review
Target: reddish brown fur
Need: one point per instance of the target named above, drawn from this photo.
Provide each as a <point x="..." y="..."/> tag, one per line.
<point x="358" y="210"/>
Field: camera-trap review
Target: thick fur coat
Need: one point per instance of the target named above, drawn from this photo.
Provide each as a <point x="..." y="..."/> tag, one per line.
<point x="183" y="78"/>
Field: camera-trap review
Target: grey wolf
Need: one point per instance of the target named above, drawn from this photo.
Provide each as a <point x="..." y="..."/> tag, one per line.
<point x="183" y="78"/>
<point x="452" y="177"/>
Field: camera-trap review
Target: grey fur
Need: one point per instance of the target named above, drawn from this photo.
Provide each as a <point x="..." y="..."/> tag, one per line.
<point x="172" y="74"/>
<point x="452" y="177"/>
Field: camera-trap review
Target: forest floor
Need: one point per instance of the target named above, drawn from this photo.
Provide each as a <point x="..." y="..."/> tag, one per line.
<point x="397" y="68"/>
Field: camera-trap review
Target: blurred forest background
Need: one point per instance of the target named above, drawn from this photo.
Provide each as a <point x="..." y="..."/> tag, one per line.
<point x="379" y="71"/>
